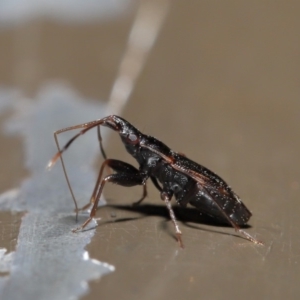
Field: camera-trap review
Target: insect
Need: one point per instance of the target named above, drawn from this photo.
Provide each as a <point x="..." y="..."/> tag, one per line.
<point x="173" y="174"/>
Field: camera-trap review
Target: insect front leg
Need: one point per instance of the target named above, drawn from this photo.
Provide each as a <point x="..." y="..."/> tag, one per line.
<point x="130" y="177"/>
<point x="166" y="196"/>
<point x="119" y="167"/>
<point x="154" y="180"/>
<point x="123" y="167"/>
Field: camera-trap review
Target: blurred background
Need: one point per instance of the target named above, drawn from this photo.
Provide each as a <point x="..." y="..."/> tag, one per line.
<point x="216" y="80"/>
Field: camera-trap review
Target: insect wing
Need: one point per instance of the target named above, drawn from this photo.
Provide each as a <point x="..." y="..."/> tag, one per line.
<point x="213" y="186"/>
<point x="228" y="203"/>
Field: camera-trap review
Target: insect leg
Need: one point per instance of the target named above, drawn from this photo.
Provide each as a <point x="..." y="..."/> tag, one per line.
<point x="143" y="196"/>
<point x="58" y="155"/>
<point x="123" y="167"/>
<point x="85" y="127"/>
<point x="249" y="237"/>
<point x="123" y="179"/>
<point x="100" y="142"/>
<point x="156" y="184"/>
<point x="167" y="198"/>
<point x="118" y="166"/>
<point x="92" y="199"/>
<point x="234" y="223"/>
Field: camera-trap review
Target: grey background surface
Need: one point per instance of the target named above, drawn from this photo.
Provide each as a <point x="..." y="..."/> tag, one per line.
<point x="222" y="86"/>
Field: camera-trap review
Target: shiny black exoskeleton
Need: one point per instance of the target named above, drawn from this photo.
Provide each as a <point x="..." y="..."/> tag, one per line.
<point x="172" y="173"/>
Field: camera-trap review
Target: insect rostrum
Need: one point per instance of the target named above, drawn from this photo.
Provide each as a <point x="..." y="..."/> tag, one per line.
<point x="173" y="174"/>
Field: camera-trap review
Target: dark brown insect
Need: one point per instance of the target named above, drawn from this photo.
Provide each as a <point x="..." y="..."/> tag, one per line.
<point x="173" y="174"/>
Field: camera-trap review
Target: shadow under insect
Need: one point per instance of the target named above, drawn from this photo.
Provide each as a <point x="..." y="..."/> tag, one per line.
<point x="188" y="216"/>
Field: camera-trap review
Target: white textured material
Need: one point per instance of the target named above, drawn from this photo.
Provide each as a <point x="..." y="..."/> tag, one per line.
<point x="17" y="11"/>
<point x="48" y="254"/>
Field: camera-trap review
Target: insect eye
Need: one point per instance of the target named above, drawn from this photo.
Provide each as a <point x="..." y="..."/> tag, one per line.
<point x="132" y="138"/>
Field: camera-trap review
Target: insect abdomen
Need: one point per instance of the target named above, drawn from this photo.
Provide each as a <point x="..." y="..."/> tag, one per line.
<point x="235" y="210"/>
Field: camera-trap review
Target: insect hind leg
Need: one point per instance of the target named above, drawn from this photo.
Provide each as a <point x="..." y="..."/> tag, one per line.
<point x="167" y="199"/>
<point x="249" y="237"/>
